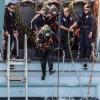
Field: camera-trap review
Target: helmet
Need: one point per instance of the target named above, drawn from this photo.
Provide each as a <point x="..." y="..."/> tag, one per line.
<point x="46" y="31"/>
<point x="53" y="9"/>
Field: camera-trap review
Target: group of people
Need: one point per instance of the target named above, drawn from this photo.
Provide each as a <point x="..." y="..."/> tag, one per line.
<point x="47" y="25"/>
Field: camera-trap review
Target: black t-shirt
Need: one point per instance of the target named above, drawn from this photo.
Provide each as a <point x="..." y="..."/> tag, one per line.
<point x="9" y="21"/>
<point x="66" y="22"/>
<point x="86" y="21"/>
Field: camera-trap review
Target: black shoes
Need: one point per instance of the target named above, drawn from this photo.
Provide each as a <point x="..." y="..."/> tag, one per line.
<point x="52" y="72"/>
<point x="43" y="77"/>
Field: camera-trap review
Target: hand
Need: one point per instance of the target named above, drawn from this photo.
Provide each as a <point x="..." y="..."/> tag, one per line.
<point x="16" y="34"/>
<point x="6" y="33"/>
<point x="90" y="35"/>
<point x="71" y="29"/>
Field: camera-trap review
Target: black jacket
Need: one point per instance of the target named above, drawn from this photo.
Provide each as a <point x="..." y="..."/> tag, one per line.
<point x="38" y="21"/>
<point x="86" y="21"/>
<point x="9" y="22"/>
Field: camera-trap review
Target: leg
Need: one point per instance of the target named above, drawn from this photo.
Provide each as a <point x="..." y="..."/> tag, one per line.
<point x="82" y="45"/>
<point x="67" y="52"/>
<point x="65" y="45"/>
<point x="50" y="61"/>
<point x="43" y="62"/>
<point x="5" y="47"/>
<point x="14" y="50"/>
<point x="88" y="48"/>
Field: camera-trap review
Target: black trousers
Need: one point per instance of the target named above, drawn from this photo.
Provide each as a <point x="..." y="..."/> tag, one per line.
<point x="85" y="44"/>
<point x="13" y="51"/>
<point x="64" y="44"/>
<point x="46" y="56"/>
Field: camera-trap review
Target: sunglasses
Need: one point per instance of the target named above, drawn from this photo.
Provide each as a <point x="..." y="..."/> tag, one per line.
<point x="12" y="7"/>
<point x="86" y="10"/>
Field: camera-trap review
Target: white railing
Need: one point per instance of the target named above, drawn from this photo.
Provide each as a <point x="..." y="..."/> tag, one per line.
<point x="17" y="62"/>
<point x="26" y="68"/>
<point x="8" y="67"/>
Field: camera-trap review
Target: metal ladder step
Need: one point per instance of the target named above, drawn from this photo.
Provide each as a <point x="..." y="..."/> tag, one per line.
<point x="18" y="60"/>
<point x="16" y="63"/>
<point x="17" y="78"/>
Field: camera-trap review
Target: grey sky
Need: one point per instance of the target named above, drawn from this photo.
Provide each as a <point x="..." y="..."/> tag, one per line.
<point x="7" y="1"/>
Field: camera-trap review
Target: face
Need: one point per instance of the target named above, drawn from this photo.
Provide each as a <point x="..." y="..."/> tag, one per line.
<point x="86" y="11"/>
<point x="11" y="8"/>
<point x="43" y="12"/>
<point x="66" y="12"/>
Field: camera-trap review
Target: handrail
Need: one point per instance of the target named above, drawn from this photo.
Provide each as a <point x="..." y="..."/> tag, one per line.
<point x="26" y="68"/>
<point x="24" y="62"/>
<point x="8" y="66"/>
<point x="17" y="44"/>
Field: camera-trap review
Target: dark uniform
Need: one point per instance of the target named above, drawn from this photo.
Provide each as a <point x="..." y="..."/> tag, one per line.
<point x="46" y="45"/>
<point x="10" y="26"/>
<point x="66" y="22"/>
<point x="86" y="25"/>
<point x="46" y="55"/>
<point x="38" y="21"/>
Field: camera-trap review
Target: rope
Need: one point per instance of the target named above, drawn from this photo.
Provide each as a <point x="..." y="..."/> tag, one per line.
<point x="56" y="87"/>
<point x="72" y="60"/>
<point x="58" y="81"/>
<point x="96" y="5"/>
<point x="90" y="81"/>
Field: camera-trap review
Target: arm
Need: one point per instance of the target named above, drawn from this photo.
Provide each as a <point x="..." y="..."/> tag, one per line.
<point x="34" y="22"/>
<point x="91" y="26"/>
<point x="64" y="28"/>
<point x="74" y="25"/>
<point x="16" y="34"/>
<point x="6" y="23"/>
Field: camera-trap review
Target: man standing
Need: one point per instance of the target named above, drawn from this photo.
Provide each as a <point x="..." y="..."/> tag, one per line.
<point x="46" y="46"/>
<point x="39" y="21"/>
<point x="50" y="40"/>
<point x="10" y="28"/>
<point x="86" y="25"/>
<point x="66" y="21"/>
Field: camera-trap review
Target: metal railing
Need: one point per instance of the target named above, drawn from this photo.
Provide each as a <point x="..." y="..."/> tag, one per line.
<point x="9" y="60"/>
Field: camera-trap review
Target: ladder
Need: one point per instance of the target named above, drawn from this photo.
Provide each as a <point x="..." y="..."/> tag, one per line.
<point x="19" y="62"/>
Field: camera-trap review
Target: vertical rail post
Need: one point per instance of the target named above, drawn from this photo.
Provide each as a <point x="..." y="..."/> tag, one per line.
<point x="17" y="46"/>
<point x="26" y="68"/>
<point x="8" y="67"/>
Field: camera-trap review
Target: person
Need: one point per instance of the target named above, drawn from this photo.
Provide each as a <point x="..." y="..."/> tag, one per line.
<point x="46" y="55"/>
<point x="86" y="25"/>
<point x="10" y="28"/>
<point x="46" y="45"/>
<point x="66" y="21"/>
